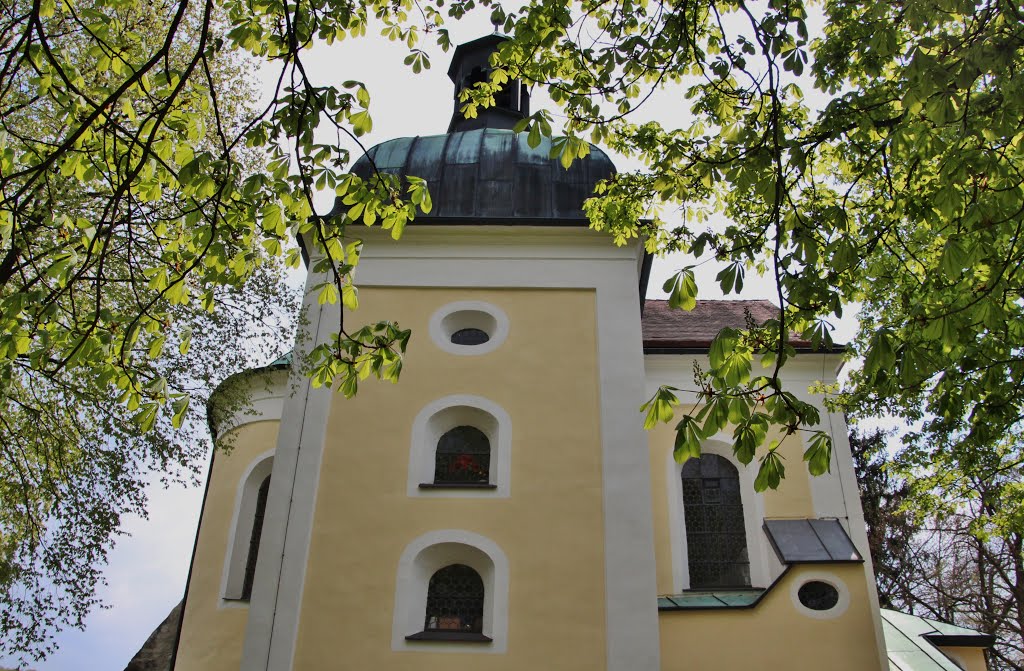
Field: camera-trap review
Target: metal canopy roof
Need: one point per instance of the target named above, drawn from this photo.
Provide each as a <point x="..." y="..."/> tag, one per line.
<point x="810" y="541"/>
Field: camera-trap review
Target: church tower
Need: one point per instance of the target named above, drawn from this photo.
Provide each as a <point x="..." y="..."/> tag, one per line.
<point x="502" y="507"/>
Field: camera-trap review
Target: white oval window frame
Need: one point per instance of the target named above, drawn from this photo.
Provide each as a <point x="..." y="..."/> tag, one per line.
<point x="829" y="579"/>
<point x="453" y="317"/>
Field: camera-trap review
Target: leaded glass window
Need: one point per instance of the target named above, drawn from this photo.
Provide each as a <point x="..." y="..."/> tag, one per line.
<point x="463" y="457"/>
<point x="716" y="538"/>
<point x="455" y="600"/>
<point x="254" y="539"/>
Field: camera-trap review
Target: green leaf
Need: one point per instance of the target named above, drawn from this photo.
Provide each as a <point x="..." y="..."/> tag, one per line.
<point x="771" y="472"/>
<point x="145" y="419"/>
<point x="881" y="356"/>
<point x="688" y="439"/>
<point x="819" y="454"/>
<point x="748" y="436"/>
<point x="659" y="408"/>
<point x="682" y="290"/>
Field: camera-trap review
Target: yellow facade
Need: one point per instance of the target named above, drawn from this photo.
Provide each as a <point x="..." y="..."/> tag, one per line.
<point x="551" y="527"/>
<point x="212" y="629"/>
<point x="773" y="635"/>
<point x="969" y="658"/>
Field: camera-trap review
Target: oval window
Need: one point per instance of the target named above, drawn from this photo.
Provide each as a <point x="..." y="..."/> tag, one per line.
<point x="818" y="595"/>
<point x="469" y="327"/>
<point x="470" y="336"/>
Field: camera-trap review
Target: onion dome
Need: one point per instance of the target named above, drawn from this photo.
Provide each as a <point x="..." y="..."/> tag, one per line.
<point x="483" y="172"/>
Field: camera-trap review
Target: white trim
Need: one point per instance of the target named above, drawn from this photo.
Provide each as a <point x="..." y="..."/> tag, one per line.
<point x="448" y="319"/>
<point x="820" y="576"/>
<point x="431" y="552"/>
<point x="761" y="574"/>
<point x="444" y="414"/>
<point x="237" y="554"/>
<point x="264" y="403"/>
<point x="273" y="621"/>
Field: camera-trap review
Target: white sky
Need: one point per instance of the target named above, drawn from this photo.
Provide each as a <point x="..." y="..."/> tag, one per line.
<point x="148" y="569"/>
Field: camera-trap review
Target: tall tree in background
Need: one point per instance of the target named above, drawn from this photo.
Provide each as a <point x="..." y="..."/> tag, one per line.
<point x="891" y="529"/>
<point x="101" y="324"/>
<point x="943" y="546"/>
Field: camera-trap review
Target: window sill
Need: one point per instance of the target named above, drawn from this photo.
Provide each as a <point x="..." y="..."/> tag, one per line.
<point x="457" y="485"/>
<point x="449" y="636"/>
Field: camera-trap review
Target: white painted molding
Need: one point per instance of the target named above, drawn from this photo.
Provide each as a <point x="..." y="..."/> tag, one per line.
<point x="240" y="534"/>
<point x="428" y="554"/>
<point x="266" y="393"/>
<point x="452" y="317"/>
<point x="829" y="578"/>
<point x="445" y="414"/>
<point x="762" y="570"/>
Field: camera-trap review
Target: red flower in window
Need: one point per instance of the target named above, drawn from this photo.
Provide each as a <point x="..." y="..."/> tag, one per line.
<point x="466" y="462"/>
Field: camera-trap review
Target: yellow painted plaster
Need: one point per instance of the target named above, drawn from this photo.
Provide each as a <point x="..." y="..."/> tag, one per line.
<point x="545" y="376"/>
<point x="791" y="500"/>
<point x="774" y="635"/>
<point x="969" y="658"/>
<point x="211" y="635"/>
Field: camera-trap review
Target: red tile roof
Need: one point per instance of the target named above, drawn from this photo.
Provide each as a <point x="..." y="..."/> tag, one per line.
<point x="669" y="328"/>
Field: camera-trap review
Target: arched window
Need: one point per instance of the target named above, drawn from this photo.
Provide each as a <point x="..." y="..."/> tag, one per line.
<point x="254" y="538"/>
<point x="463" y="457"/>
<point x="716" y="538"/>
<point x="455" y="600"/>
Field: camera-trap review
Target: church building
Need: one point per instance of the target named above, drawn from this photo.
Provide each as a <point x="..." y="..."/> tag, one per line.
<point x="502" y="508"/>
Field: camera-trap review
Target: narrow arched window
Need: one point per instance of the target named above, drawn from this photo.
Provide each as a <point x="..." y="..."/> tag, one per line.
<point x="463" y="457"/>
<point x="716" y="538"/>
<point x="455" y="600"/>
<point x="254" y="538"/>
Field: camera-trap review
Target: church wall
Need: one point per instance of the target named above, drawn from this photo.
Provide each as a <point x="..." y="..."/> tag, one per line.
<point x="969" y="658"/>
<point x="800" y="495"/>
<point x="549" y="525"/>
<point x="774" y="634"/>
<point x="213" y="628"/>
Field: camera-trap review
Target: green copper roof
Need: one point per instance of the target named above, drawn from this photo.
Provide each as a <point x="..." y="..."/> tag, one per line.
<point x="491" y="175"/>
<point x="711" y="599"/>
<point x="910" y="642"/>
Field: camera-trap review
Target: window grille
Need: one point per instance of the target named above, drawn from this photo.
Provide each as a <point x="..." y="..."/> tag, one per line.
<point x="470" y="336"/>
<point x="716" y="538"/>
<point x="455" y="600"/>
<point x="463" y="456"/>
<point x="254" y="539"/>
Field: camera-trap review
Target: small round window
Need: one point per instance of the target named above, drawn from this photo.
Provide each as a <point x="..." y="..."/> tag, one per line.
<point x="470" y="337"/>
<point x="818" y="595"/>
<point x="468" y="327"/>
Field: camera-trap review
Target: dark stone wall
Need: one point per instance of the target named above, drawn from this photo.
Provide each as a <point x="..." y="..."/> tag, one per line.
<point x="155" y="654"/>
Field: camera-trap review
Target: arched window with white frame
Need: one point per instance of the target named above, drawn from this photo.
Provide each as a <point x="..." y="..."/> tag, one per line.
<point x="452" y="595"/>
<point x="247" y="529"/>
<point x="716" y="537"/>
<point x="254" y="538"/>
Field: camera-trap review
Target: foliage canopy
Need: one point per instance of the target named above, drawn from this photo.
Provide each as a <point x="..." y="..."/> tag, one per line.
<point x="859" y="152"/>
<point x="874" y="155"/>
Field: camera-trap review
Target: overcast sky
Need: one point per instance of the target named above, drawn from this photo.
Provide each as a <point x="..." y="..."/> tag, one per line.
<point x="147" y="570"/>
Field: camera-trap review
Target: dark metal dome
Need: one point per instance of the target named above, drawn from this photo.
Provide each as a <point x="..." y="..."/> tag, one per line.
<point x="491" y="174"/>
